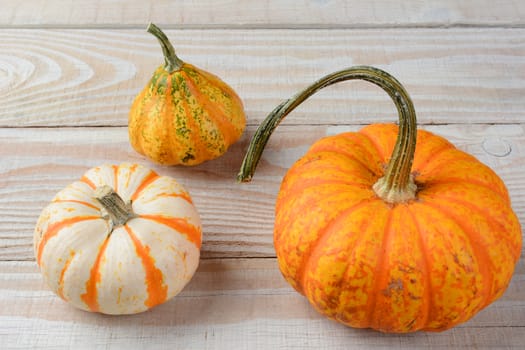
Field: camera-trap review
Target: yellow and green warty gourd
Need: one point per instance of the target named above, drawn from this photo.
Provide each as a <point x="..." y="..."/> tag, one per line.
<point x="184" y="115"/>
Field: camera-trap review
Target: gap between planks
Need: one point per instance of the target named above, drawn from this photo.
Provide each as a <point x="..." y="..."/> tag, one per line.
<point x="268" y="27"/>
<point x="256" y="124"/>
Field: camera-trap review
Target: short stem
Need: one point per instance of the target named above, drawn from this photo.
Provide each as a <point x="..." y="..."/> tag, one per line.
<point x="397" y="177"/>
<point x="118" y="211"/>
<point x="173" y="63"/>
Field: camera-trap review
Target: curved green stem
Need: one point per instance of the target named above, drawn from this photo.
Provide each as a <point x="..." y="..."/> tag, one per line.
<point x="397" y="184"/>
<point x="173" y="63"/>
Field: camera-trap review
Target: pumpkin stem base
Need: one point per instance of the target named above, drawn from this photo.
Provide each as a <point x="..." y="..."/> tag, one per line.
<point x="394" y="194"/>
<point x="118" y="211"/>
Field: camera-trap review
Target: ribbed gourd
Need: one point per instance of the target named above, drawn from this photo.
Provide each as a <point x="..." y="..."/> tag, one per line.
<point x="390" y="227"/>
<point x="184" y="115"/>
<point x="120" y="240"/>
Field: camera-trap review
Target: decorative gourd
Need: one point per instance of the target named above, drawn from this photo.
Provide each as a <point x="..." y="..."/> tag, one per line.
<point x="395" y="235"/>
<point x="119" y="241"/>
<point x="184" y="115"/>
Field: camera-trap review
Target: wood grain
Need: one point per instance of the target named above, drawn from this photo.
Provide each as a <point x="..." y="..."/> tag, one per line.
<point x="242" y="302"/>
<point x="267" y="14"/>
<point x="237" y="218"/>
<point x="90" y="77"/>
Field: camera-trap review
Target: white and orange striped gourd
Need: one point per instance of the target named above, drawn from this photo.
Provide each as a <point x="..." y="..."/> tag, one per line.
<point x="119" y="241"/>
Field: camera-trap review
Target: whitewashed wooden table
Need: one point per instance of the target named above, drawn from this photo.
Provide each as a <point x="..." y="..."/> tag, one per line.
<point x="69" y="71"/>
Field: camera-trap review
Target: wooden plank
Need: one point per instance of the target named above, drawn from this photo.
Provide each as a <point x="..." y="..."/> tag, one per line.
<point x="269" y="13"/>
<point x="237" y="218"/>
<point x="90" y="77"/>
<point x="230" y="303"/>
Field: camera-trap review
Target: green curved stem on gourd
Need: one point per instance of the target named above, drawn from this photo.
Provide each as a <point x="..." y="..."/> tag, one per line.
<point x="173" y="63"/>
<point x="397" y="185"/>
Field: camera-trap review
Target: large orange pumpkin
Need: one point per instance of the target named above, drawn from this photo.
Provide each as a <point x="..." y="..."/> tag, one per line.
<point x="184" y="115"/>
<point x="121" y="240"/>
<point x="390" y="228"/>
